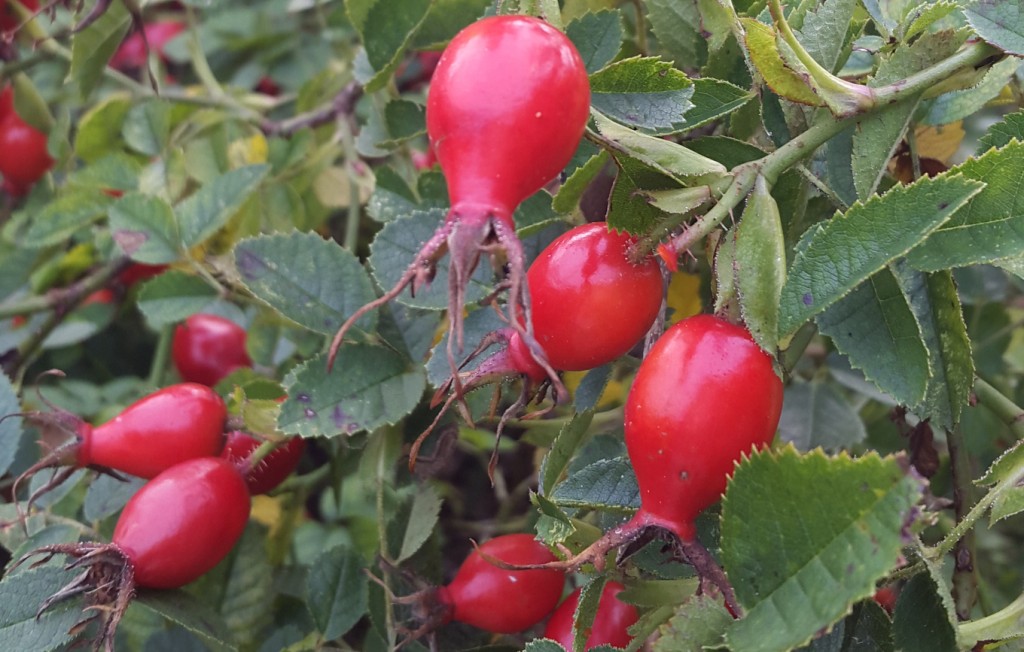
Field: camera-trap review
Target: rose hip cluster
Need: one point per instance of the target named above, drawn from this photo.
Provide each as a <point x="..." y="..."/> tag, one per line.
<point x="24" y="158"/>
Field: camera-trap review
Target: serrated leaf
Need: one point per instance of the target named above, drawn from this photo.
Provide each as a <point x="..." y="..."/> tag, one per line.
<point x="173" y="296"/>
<point x="240" y="584"/>
<point x="875" y="328"/>
<point x="991" y="225"/>
<point x="590" y="389"/>
<point x="189" y="612"/>
<point x="920" y="622"/>
<point x="423" y="516"/>
<point x="1000" y="22"/>
<point x="396" y="245"/>
<point x="765" y="55"/>
<point x="867" y="629"/>
<point x="370" y="386"/>
<point x="99" y="130"/>
<point x="958" y="104"/>
<point x="144" y="228"/>
<point x="562" y="450"/>
<point x="387" y="28"/>
<point x="815" y="414"/>
<point x="628" y="207"/>
<point x="92" y="47"/>
<point x="312" y="281"/>
<point x="801" y="560"/>
<point x="663" y="156"/>
<point x="760" y="265"/>
<point x="570" y="192"/>
<point x="107" y="495"/>
<point x="713" y="99"/>
<point x="606" y="484"/>
<point x="210" y="207"/>
<point x="11" y="427"/>
<point x="147" y="127"/>
<point x="853" y="246"/>
<point x="698" y="624"/>
<point x="823" y="33"/>
<point x="1001" y="133"/>
<point x="21" y="594"/>
<point x="586" y="609"/>
<point x="62" y="217"/>
<point x="404" y="120"/>
<point x="336" y="594"/>
<point x="597" y="37"/>
<point x="543" y="645"/>
<point x="644" y="93"/>
<point x="923" y="16"/>
<point x="112" y="171"/>
<point x="677" y="24"/>
<point x="1005" y="476"/>
<point x="934" y="302"/>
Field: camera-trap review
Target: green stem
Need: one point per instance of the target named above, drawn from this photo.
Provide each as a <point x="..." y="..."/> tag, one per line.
<point x="1008" y="412"/>
<point x="964" y="525"/>
<point x="965" y="579"/>
<point x="1004" y="623"/>
<point x="971" y="55"/>
<point x="160" y="356"/>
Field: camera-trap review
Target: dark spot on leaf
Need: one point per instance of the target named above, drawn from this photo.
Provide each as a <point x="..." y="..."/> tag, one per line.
<point x="250" y="266"/>
<point x="302" y="398"/>
<point x="130" y="241"/>
<point x="808" y="299"/>
<point x="342" y="420"/>
<point x="943" y="205"/>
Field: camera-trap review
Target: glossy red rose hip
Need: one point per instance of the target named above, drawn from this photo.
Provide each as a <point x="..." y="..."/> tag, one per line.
<point x="705" y="395"/>
<point x="24" y="158"/>
<point x="183" y="522"/>
<point x="611" y="622"/>
<point x="205" y="348"/>
<point x="273" y="469"/>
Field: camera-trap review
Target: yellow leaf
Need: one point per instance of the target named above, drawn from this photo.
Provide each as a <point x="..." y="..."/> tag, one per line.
<point x="248" y="151"/>
<point x="683" y="296"/>
<point x="939" y="143"/>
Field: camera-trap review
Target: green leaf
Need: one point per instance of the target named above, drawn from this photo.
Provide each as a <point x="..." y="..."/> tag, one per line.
<point x="404" y="120"/>
<point x="800" y="561"/>
<point x="586" y="610"/>
<point x="107" y="495"/>
<point x="697" y="624"/>
<point x="760" y="265"/>
<point x="336" y="592"/>
<point x="629" y="208"/>
<point x="875" y="327"/>
<point x="312" y="281"/>
<point x="562" y="450"/>
<point x="934" y="301"/>
<point x="210" y="208"/>
<point x="396" y="245"/>
<point x="589" y="391"/>
<point x="92" y="47"/>
<point x="111" y="172"/>
<point x="608" y="484"/>
<point x="815" y="414"/>
<point x="99" y="130"/>
<point x="991" y="225"/>
<point x="144" y="228"/>
<point x="21" y="594"/>
<point x="189" y="612"/>
<point x="147" y="127"/>
<point x="424" y="510"/>
<point x="570" y="192"/>
<point x="239" y="585"/>
<point x="387" y="28"/>
<point x="851" y="247"/>
<point x="477" y="325"/>
<point x="764" y="54"/>
<point x="597" y="37"/>
<point x="172" y="297"/>
<point x="923" y="16"/>
<point x="1005" y="476"/>
<point x="370" y="386"/>
<point x="867" y="629"/>
<point x="663" y="156"/>
<point x="713" y="99"/>
<point x="644" y="93"/>
<point x="920" y="622"/>
<point x="958" y="104"/>
<point x="1000" y="22"/>
<point x="543" y="645"/>
<point x="11" y="427"/>
<point x="62" y="217"/>
<point x="677" y="24"/>
<point x="1003" y="132"/>
<point x="823" y="33"/>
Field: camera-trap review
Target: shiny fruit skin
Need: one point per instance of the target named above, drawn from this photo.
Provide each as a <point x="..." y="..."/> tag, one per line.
<point x="205" y="348"/>
<point x="590" y="304"/>
<point x="183" y="522"/>
<point x="174" y="424"/>
<point x="611" y="622"/>
<point x="131" y="54"/>
<point x="6" y="101"/>
<point x="23" y="155"/>
<point x="137" y="272"/>
<point x="705" y="395"/>
<point x="504" y="601"/>
<point x="506" y="109"/>
<point x="273" y="469"/>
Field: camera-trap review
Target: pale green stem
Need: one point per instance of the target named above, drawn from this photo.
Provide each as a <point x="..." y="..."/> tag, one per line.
<point x="1008" y="412"/>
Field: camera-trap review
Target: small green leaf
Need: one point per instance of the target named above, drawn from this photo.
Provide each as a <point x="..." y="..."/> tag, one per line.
<point x="543" y="645"/>
<point x="216" y="202"/>
<point x="586" y="610"/>
<point x="189" y="612"/>
<point x="629" y="208"/>
<point x="920" y="622"/>
<point x="423" y="515"/>
<point x="664" y="156"/>
<point x="1000" y="22"/>
<point x="1005" y="476"/>
<point x="11" y="427"/>
<point x="644" y="93"/>
<point x="868" y="628"/>
<point x="589" y="391"/>
<point x="851" y="247"/>
<point x="99" y="130"/>
<point x="597" y="37"/>
<point x="764" y="53"/>
<point x="934" y="301"/>
<point x="760" y="265"/>
<point x="387" y="28"/>
<point x="404" y="120"/>
<point x="677" y="24"/>
<point x="239" y="585"/>
<point x="570" y="192"/>
<point x="107" y="495"/>
<point x="824" y="30"/>
<point x="799" y="561"/>
<point x="698" y="624"/>
<point x="370" y="386"/>
<point x="712" y="99"/>
<point x="172" y="297"/>
<point x="608" y="484"/>
<point x="144" y="228"/>
<point x="1001" y="133"/>
<point x="336" y="592"/>
<point x="875" y="327"/>
<point x="147" y="127"/>
<point x="21" y="594"/>
<point x="92" y="47"/>
<point x="923" y="16"/>
<point x="563" y="449"/>
<point x="308" y="279"/>
<point x="815" y="414"/>
<point x="958" y="104"/>
<point x="62" y="217"/>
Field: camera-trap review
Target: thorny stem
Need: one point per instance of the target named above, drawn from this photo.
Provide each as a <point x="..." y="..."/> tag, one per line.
<point x="1008" y="412"/>
<point x="965" y="579"/>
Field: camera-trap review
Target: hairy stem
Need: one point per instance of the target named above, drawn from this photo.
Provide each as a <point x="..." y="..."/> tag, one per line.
<point x="965" y="578"/>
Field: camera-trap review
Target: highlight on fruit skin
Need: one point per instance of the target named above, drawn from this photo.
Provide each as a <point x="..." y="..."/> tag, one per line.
<point x="497" y="143"/>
